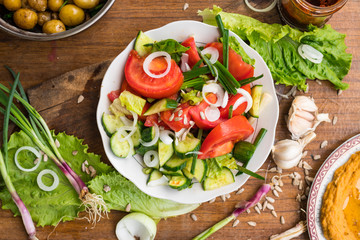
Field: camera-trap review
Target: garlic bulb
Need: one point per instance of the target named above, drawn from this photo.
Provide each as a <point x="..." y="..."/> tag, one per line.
<point x="304" y="117"/>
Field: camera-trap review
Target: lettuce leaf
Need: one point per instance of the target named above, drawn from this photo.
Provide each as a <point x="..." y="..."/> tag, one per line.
<point x="124" y="192"/>
<point x="174" y="48"/>
<point x="277" y="44"/>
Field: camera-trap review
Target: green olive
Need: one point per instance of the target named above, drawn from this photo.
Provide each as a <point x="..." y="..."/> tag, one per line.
<point x="12" y="5"/>
<point x="53" y="26"/>
<point x="55" y="5"/>
<point x="71" y="15"/>
<point x="86" y="4"/>
<point x="25" y="18"/>
<point x="43" y="17"/>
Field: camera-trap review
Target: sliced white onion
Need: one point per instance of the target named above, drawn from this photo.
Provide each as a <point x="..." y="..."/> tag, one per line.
<point x="212" y="113"/>
<point x="267" y="9"/>
<point x="40" y="183"/>
<point x="159" y="182"/>
<point x="216" y="74"/>
<point x="151" y="57"/>
<point x="184" y="66"/>
<point x="132" y="128"/>
<point x="126" y="121"/>
<point x="310" y="53"/>
<point x="165" y="136"/>
<point x="248" y="97"/>
<point x="213" y="52"/>
<point x="156" y="138"/>
<point x="129" y="140"/>
<point x="149" y="162"/>
<point x="225" y="100"/>
<point x="238" y="102"/>
<point x="34" y="151"/>
<point x="216" y="89"/>
<point x="136" y="226"/>
<point x="194" y="152"/>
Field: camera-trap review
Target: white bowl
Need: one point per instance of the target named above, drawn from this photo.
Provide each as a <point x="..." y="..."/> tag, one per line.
<point x="132" y="169"/>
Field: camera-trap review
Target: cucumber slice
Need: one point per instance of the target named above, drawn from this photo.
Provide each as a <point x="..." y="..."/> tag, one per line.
<point x="111" y="123"/>
<point x="120" y="149"/>
<point x="190" y="144"/>
<point x="175" y="164"/>
<point x="256" y="92"/>
<point x="165" y="152"/>
<point x="243" y="151"/>
<point x="137" y="135"/>
<point x="179" y="182"/>
<point x="200" y="170"/>
<point x="148" y="134"/>
<point x="223" y="178"/>
<point x="140" y="41"/>
<point x="142" y="149"/>
<point x="171" y="173"/>
<point x="161" y="105"/>
<point x="154" y="175"/>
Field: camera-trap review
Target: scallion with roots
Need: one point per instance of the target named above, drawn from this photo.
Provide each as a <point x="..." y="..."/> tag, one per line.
<point x="25" y="214"/>
<point x="38" y="131"/>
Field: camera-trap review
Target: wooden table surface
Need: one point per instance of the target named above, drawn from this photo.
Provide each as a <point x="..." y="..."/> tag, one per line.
<point x="40" y="61"/>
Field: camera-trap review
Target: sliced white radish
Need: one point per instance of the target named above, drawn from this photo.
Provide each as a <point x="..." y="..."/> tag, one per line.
<point x="156" y="138"/>
<point x="217" y="90"/>
<point x="212" y="113"/>
<point x="248" y="97"/>
<point x="151" y="158"/>
<point x="34" y="151"/>
<point x="134" y="226"/>
<point x="165" y="136"/>
<point x="213" y="52"/>
<point x="151" y="57"/>
<point x="40" y="183"/>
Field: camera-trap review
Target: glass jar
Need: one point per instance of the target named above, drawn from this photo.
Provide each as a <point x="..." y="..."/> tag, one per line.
<point x="300" y="13"/>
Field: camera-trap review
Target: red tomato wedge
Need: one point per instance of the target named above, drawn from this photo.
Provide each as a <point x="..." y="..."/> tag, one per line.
<point x="222" y="149"/>
<point x="152" y="87"/>
<point x="192" y="52"/>
<point x="114" y="95"/>
<point x="232" y="130"/>
<point x="177" y="122"/>
<point x="224" y="112"/>
<point x="237" y="67"/>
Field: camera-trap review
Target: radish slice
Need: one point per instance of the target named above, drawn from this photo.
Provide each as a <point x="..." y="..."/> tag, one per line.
<point x="34" y="151"/>
<point x="148" y="158"/>
<point x="40" y="183"/>
<point x="136" y="226"/>
<point x="216" y="89"/>
<point x="308" y="52"/>
<point x="165" y="136"/>
<point x="212" y="113"/>
<point x="213" y="52"/>
<point x="267" y="9"/>
<point x="248" y="98"/>
<point x="156" y="138"/>
<point x="184" y="66"/>
<point x="151" y="57"/>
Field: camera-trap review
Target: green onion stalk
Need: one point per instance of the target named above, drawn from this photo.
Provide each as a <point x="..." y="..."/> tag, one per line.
<point x="41" y="135"/>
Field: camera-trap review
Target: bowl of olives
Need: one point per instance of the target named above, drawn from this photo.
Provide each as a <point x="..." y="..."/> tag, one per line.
<point x="44" y="20"/>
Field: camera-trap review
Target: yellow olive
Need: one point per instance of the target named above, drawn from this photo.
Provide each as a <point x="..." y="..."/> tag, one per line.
<point x="86" y="4"/>
<point x="25" y="18"/>
<point x="43" y="17"/>
<point x="55" y="5"/>
<point x="53" y="26"/>
<point x="71" y="15"/>
<point x="12" y="5"/>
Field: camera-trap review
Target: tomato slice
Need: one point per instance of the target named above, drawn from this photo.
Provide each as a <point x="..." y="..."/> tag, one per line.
<point x="192" y="52"/>
<point x="232" y="130"/>
<point x="177" y="122"/>
<point x="224" y="112"/>
<point x="199" y="121"/>
<point x="222" y="149"/>
<point x="114" y="95"/>
<point x="152" y="87"/>
<point x="237" y="67"/>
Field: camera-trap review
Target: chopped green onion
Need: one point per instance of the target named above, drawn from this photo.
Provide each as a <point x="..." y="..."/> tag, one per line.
<point x="197" y="65"/>
<point x="260" y="136"/>
<point x="250" y="80"/>
<point x="251" y="173"/>
<point x="195" y="72"/>
<point x="226" y="49"/>
<point x="193" y="164"/>
<point x="220" y="24"/>
<point x="230" y="111"/>
<point x="196" y="83"/>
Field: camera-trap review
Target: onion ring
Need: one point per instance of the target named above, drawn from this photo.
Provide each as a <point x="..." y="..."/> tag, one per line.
<point x="40" y="183"/>
<point x="34" y="151"/>
<point x="151" y="57"/>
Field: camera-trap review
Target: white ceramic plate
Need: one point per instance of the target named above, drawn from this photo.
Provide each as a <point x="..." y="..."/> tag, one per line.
<point x="132" y="169"/>
<point x="323" y="177"/>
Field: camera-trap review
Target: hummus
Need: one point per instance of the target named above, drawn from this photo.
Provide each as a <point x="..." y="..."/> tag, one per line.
<point x="340" y="212"/>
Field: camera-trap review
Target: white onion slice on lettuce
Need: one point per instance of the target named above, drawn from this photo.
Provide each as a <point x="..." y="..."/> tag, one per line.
<point x="248" y="97"/>
<point x="40" y="183"/>
<point x="134" y="226"/>
<point x="212" y="113"/>
<point x="308" y="52"/>
<point x="156" y="138"/>
<point x="151" y="158"/>
<point x="34" y="151"/>
<point x="213" y="52"/>
<point x="151" y="57"/>
<point x="217" y="90"/>
<point x="165" y="136"/>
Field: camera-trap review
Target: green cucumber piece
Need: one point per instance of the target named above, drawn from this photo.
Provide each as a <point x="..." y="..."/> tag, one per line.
<point x="140" y="41"/>
<point x="120" y="149"/>
<point x="142" y="149"/>
<point x="175" y="164"/>
<point x="179" y="182"/>
<point x="154" y="175"/>
<point x="256" y="92"/>
<point x="200" y="170"/>
<point x="243" y="151"/>
<point x="148" y="134"/>
<point x="161" y="105"/>
<point x="171" y="173"/>
<point x="189" y="144"/>
<point x="224" y="177"/>
<point x="137" y="135"/>
<point x="165" y="152"/>
<point x="111" y="123"/>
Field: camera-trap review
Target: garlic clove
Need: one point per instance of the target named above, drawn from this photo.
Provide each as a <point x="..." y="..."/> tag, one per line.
<point x="287" y="153"/>
<point x="305" y="103"/>
<point x="299" y="126"/>
<point x="305" y="115"/>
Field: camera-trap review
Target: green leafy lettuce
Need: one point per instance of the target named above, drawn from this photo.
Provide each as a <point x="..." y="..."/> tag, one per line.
<point x="174" y="48"/>
<point x="193" y="97"/>
<point x="278" y="44"/>
<point x="235" y="45"/>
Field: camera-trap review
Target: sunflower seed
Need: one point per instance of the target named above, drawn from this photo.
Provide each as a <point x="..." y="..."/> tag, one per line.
<point x="270" y="206"/>
<point x="270" y="199"/>
<point x="93" y="174"/>
<point x="295" y="182"/>
<point x="45" y="158"/>
<point x="281" y="183"/>
<point x="241" y="190"/>
<point x="227" y="195"/>
<point x="277" y="188"/>
<point x="186" y="6"/>
<point x="296" y="174"/>
<point x="257" y="209"/>
<point x="106" y="188"/>
<point x="282" y="220"/>
<point x="80" y="99"/>
<point x="180" y="113"/>
<point x="57" y="143"/>
<point x="128" y="207"/>
<point x="223" y="198"/>
<point x="91" y="168"/>
<point x="264" y="205"/>
<point x="298" y="198"/>
<point x="259" y="205"/>
<point x="86" y="162"/>
<point x="301" y="185"/>
<point x="318" y="82"/>
<point x="253" y="224"/>
<point x="324" y="144"/>
<point x="300" y="163"/>
<point x="236" y="222"/>
<point x="272" y="169"/>
<point x="339" y="92"/>
<point x="87" y="170"/>
<point x="185" y="120"/>
<point x="274" y="213"/>
<point x="307" y="172"/>
<point x="275" y="181"/>
<point x="248" y="211"/>
<point x="334" y="121"/>
<point x="309" y="180"/>
<point x="83" y="167"/>
<point x="74" y="153"/>
<point x="316" y="157"/>
<point x="177" y="119"/>
<point x="212" y="200"/>
<point x="276" y="194"/>
<point x="171" y="117"/>
<point x="36" y="161"/>
<point x="304" y="154"/>
<point x="202" y="115"/>
<point x="194" y="217"/>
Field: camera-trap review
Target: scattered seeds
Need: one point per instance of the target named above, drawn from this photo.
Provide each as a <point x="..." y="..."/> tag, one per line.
<point x="45" y="158"/>
<point x="202" y="115"/>
<point x="128" y="207"/>
<point x="296" y="182"/>
<point x="83" y="167"/>
<point x="281" y="183"/>
<point x="273" y="169"/>
<point x="257" y="209"/>
<point x="180" y="112"/>
<point x="177" y="119"/>
<point x="296" y="174"/>
<point x="74" y="153"/>
<point x="309" y="180"/>
<point x="36" y="161"/>
<point x="57" y="143"/>
<point x="277" y="188"/>
<point x="279" y="170"/>
<point x="334" y="121"/>
<point x="307" y="166"/>
<point x="270" y="199"/>
<point x="324" y="144"/>
<point x="276" y="194"/>
<point x="223" y="198"/>
<point x="298" y="198"/>
<point x="301" y="185"/>
<point x="339" y="92"/>
<point x="236" y="222"/>
<point x="186" y="6"/>
<point x="307" y="172"/>
<point x="264" y="205"/>
<point x="275" y="181"/>
<point x="227" y="195"/>
<point x="274" y="213"/>
<point x="248" y="211"/>
<point x="253" y="224"/>
<point x="86" y="163"/>
<point x="80" y="99"/>
<point x="282" y="220"/>
<point x="318" y="82"/>
<point x="212" y="200"/>
<point x="316" y="157"/>
<point x="106" y="188"/>
<point x="307" y="190"/>
<point x="270" y="206"/>
<point x="87" y="170"/>
<point x="300" y="163"/>
<point x="241" y="190"/>
<point x="171" y="117"/>
<point x="194" y="217"/>
<point x="259" y="205"/>
<point x="304" y="154"/>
